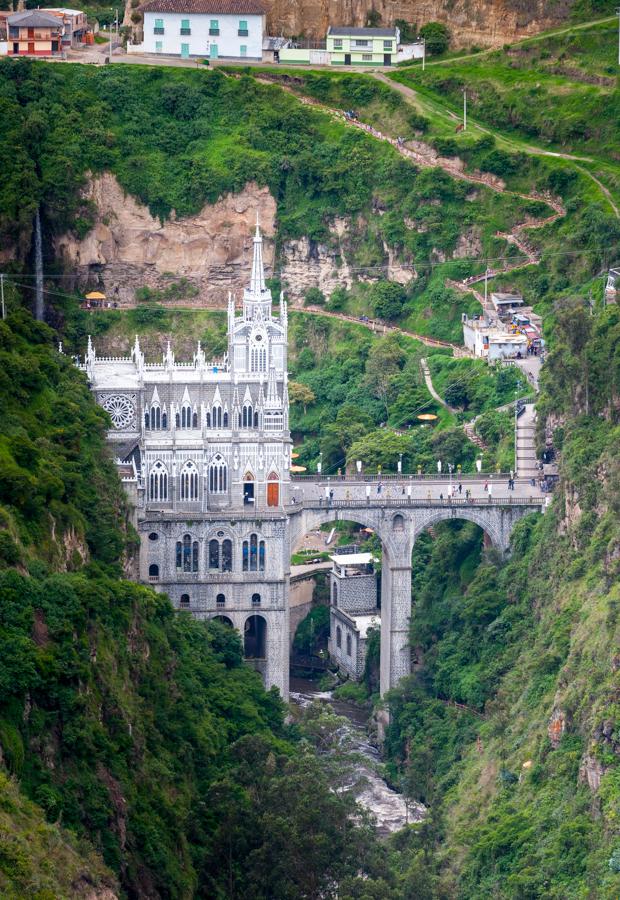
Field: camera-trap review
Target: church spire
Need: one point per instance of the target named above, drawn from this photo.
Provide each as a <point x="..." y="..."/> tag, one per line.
<point x="257" y="281"/>
<point x="257" y="297"/>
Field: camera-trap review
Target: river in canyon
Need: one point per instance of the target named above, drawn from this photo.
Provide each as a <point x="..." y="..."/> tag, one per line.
<point x="389" y="807"/>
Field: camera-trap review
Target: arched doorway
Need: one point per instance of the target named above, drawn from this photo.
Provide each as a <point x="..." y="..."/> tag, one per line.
<point x="255" y="637"/>
<point x="248" y="489"/>
<point x="273" y="489"/>
<point x="224" y="620"/>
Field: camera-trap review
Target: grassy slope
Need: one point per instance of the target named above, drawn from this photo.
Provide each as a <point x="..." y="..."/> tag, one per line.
<point x="560" y="93"/>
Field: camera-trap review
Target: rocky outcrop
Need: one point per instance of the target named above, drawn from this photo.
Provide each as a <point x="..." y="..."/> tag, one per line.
<point x="128" y="248"/>
<point x="487" y="23"/>
<point x="556" y="727"/>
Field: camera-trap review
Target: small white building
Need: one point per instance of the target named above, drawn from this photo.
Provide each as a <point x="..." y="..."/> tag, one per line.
<point x="612" y="288"/>
<point x="353" y="610"/>
<point x="486" y="340"/>
<point x="211" y="29"/>
<point x="505" y="303"/>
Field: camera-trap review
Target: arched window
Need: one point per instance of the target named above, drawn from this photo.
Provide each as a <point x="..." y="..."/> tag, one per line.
<point x="208" y="420"/>
<point x="335" y="594"/>
<point x="348" y="645"/>
<point x="255" y="599"/>
<point x="184" y="603"/>
<point x="218" y="475"/>
<point x="253" y="555"/>
<point x="261" y="556"/>
<point x="146" y="420"/>
<point x="258" y="359"/>
<point x="187" y="554"/>
<point x="158" y="482"/>
<point x="164" y="420"/>
<point x="186" y="417"/>
<point x="220" y="600"/>
<point x="227" y="556"/>
<point x="217" y="416"/>
<point x="177" y="420"/>
<point x="398" y="523"/>
<point x="189" y="482"/>
<point x="214" y="554"/>
<point x="240" y="420"/>
<point x="153" y="571"/>
<point x="255" y="420"/>
<point x="155" y="417"/>
<point x="225" y="420"/>
<point x="338" y="636"/>
<point x="195" y="420"/>
<point x="247" y="416"/>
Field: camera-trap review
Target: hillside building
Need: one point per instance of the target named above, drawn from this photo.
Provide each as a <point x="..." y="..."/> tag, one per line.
<point x="74" y="23"/>
<point x="204" y="453"/>
<point x="488" y="340"/>
<point x="348" y="46"/>
<point x="612" y="287"/>
<point x="212" y="29"/>
<point x="353" y="610"/>
<point x="34" y="33"/>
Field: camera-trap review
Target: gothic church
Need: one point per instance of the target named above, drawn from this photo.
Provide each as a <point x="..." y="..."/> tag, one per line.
<point x="204" y="451"/>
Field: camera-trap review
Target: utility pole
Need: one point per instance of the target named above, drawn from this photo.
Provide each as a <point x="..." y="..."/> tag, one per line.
<point x="618" y="14"/>
<point x="424" y="51"/>
<point x="2" y="296"/>
<point x="486" y="287"/>
<point x="465" y="109"/>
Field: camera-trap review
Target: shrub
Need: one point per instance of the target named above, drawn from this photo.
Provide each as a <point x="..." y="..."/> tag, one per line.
<point x="437" y="37"/>
<point x="314" y="297"/>
<point x="388" y="299"/>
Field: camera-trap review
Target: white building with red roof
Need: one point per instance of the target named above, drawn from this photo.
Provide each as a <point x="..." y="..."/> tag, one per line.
<point x="213" y="29"/>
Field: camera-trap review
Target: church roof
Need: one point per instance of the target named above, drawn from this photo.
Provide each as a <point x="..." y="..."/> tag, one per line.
<point x="213" y="7"/>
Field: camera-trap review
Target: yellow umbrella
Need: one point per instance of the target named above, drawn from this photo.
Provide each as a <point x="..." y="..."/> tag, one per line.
<point x="427" y="417"/>
<point x="294" y="455"/>
<point x="298" y="469"/>
<point x="95" y="295"/>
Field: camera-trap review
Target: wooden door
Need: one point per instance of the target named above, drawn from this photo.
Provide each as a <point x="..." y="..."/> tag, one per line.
<point x="273" y="493"/>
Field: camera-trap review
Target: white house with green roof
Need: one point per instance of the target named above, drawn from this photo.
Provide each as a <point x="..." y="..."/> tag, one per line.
<point x="214" y="29"/>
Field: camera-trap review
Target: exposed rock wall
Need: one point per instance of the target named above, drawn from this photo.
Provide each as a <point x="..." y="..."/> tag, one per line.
<point x="482" y="22"/>
<point x="128" y="248"/>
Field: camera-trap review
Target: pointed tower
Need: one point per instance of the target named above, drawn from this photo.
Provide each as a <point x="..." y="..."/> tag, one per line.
<point x="257" y="297"/>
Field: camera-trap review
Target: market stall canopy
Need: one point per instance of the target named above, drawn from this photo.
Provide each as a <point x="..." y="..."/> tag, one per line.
<point x="95" y="295"/>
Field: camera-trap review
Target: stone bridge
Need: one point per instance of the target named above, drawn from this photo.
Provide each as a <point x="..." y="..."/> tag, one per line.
<point x="398" y="518"/>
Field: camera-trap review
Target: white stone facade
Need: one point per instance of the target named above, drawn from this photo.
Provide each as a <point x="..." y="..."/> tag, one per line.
<point x="201" y="29"/>
<point x="210" y="448"/>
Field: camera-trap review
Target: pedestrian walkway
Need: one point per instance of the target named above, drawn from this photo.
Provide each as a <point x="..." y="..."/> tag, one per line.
<point x="527" y="466"/>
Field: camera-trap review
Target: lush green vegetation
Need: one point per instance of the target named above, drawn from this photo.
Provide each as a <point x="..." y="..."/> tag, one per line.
<point x="140" y="729"/>
<point x="560" y="91"/>
<point x="523" y="646"/>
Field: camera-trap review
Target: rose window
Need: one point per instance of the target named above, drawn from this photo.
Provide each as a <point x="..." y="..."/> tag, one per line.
<point x="120" y="410"/>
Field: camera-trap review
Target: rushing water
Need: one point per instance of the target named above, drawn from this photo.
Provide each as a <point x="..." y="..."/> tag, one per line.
<point x="387" y="805"/>
<point x="39" y="309"/>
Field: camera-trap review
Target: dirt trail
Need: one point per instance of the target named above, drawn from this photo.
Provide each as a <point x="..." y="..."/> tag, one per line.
<point x="380" y="327"/>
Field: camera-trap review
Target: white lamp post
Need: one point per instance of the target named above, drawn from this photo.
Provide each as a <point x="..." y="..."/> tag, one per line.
<point x="439" y="466"/>
<point x="400" y="463"/>
<point x="358" y="466"/>
<point x="478" y="466"/>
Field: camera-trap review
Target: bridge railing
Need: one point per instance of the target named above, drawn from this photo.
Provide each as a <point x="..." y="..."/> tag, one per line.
<point x="392" y="476"/>
<point x="406" y="502"/>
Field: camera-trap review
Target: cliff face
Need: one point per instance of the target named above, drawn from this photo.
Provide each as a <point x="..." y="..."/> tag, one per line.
<point x="128" y="248"/>
<point x="482" y="22"/>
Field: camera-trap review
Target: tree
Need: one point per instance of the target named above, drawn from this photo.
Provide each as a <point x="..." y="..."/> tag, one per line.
<point x="387" y="298"/>
<point x="314" y="297"/>
<point x="384" y="362"/>
<point x="437" y="37"/>
<point x="301" y="393"/>
<point x="337" y="300"/>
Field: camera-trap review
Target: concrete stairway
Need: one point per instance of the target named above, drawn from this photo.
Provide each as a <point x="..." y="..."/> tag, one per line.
<point x="526" y="453"/>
